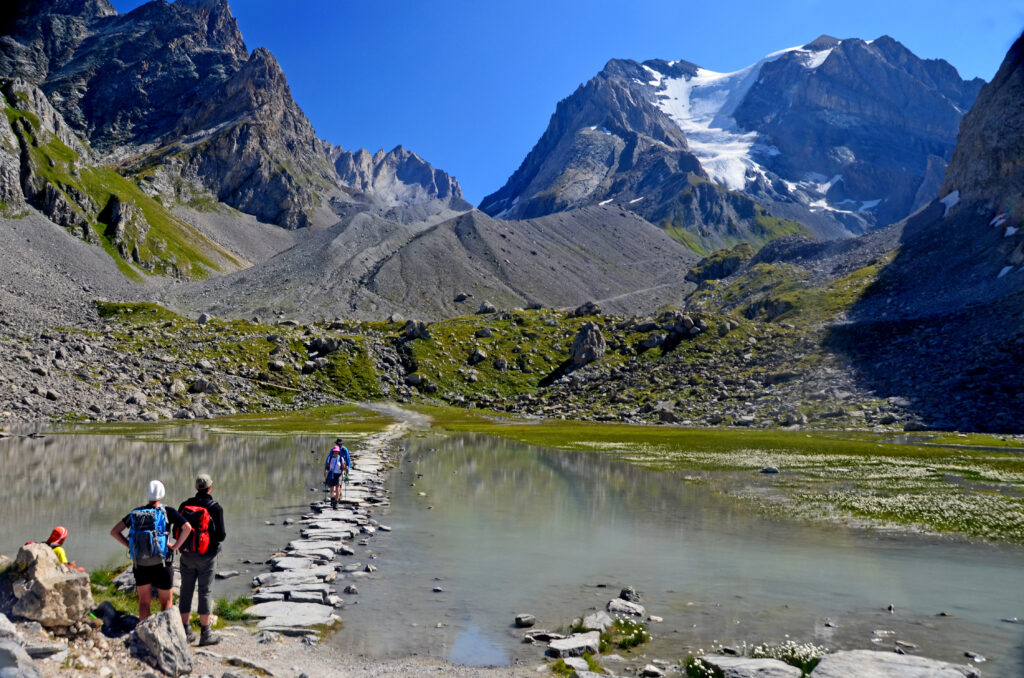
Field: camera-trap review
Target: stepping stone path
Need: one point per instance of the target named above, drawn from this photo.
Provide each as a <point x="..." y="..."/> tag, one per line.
<point x="299" y="593"/>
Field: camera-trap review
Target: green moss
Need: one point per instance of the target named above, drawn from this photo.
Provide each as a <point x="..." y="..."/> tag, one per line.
<point x="136" y="312"/>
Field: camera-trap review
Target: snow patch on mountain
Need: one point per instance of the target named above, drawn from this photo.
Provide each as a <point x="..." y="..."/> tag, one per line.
<point x="703" y="107"/>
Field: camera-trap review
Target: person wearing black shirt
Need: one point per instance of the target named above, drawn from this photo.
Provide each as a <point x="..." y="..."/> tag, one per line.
<point x="199" y="567"/>
<point x="160" y="575"/>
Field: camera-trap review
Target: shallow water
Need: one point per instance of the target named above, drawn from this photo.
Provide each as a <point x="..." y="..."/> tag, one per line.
<point x="504" y="529"/>
<point x="89" y="482"/>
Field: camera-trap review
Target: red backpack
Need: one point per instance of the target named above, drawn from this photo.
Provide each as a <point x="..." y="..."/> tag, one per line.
<point x="199" y="518"/>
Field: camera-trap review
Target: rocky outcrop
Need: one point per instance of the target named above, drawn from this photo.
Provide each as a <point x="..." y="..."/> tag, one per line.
<point x="128" y="229"/>
<point x="398" y="177"/>
<point x="47" y="592"/>
<point x="160" y="642"/>
<point x="588" y="346"/>
<point x="15" y="662"/>
<point x="987" y="165"/>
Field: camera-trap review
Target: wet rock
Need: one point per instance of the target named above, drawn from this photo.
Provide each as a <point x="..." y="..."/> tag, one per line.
<point x="770" y="470"/>
<point x="652" y="671"/>
<point x="524" y="621"/>
<point x="160" y="642"/>
<point x="226" y="574"/>
<point x="872" y="664"/>
<point x="46" y="592"/>
<point x="744" y="667"/>
<point x="575" y="645"/>
<point x="629" y="593"/>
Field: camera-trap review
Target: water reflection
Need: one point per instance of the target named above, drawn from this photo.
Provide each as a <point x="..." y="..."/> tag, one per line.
<point x="89" y="482"/>
<point x="504" y="529"/>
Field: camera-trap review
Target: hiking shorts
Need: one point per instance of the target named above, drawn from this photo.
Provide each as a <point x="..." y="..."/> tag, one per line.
<point x="196" y="569"/>
<point x="333" y="480"/>
<point x="158" y="576"/>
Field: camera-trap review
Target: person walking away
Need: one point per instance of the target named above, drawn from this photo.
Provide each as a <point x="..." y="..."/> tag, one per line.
<point x="199" y="556"/>
<point x="337" y="463"/>
<point x="150" y="547"/>
<point x="56" y="542"/>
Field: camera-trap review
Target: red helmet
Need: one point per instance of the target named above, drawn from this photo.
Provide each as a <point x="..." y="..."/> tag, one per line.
<point x="58" y="536"/>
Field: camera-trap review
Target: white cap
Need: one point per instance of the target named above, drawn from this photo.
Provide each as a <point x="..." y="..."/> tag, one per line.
<point x="155" y="490"/>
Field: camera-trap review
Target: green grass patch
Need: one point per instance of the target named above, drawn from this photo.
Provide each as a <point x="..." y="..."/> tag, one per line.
<point x="625" y="634"/>
<point x="233" y="611"/>
<point x="136" y="312"/>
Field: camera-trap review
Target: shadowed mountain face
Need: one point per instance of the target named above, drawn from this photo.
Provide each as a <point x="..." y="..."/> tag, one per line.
<point x="943" y="322"/>
<point x="368" y="267"/>
<point x="840" y="135"/>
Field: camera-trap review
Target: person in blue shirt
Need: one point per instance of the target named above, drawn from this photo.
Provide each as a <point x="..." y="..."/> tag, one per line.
<point x="335" y="467"/>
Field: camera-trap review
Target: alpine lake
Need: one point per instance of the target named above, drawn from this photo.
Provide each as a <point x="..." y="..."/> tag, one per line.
<point x="859" y="541"/>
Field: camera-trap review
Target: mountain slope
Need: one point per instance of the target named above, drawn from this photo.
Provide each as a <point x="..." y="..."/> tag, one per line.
<point x="368" y="267"/>
<point x="841" y="135"/>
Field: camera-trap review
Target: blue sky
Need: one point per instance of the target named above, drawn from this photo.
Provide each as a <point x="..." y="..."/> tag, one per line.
<point x="470" y="84"/>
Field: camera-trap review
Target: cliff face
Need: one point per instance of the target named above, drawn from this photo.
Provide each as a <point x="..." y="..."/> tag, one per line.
<point x="396" y="178"/>
<point x="988" y="163"/>
<point x="174" y="85"/>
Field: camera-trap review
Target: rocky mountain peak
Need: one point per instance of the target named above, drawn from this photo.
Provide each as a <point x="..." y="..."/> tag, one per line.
<point x="221" y="26"/>
<point x="396" y="177"/>
<point x="822" y="42"/>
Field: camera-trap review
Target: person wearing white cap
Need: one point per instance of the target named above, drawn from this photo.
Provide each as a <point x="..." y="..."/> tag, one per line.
<point x="147" y="543"/>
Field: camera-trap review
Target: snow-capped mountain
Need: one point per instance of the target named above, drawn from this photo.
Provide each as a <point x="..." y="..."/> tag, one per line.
<point x="840" y="135"/>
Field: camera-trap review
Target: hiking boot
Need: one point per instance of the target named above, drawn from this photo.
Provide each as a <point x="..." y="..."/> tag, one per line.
<point x="207" y="637"/>
<point x="189" y="635"/>
<point x="334" y="503"/>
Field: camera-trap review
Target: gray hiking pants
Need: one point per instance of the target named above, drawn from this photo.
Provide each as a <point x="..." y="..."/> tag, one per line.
<point x="196" y="568"/>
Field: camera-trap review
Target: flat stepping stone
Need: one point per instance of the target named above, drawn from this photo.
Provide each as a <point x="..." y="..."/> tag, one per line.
<point x="312" y="544"/>
<point x="289" y="563"/>
<point x="872" y="664"/>
<point x="332" y="534"/>
<point x="321" y="588"/>
<point x="575" y="645"/>
<point x="745" y="667"/>
<point x="315" y="554"/>
<point x="312" y="575"/>
<point x="262" y="597"/>
<point x="287" y="614"/>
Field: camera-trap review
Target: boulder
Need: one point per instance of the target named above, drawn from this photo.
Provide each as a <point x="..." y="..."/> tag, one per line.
<point x="8" y="631"/>
<point x="585" y="309"/>
<point x="160" y="642"/>
<point x="620" y="606"/>
<point x="487" y="307"/>
<point x="46" y="592"/>
<point x="629" y="593"/>
<point x="415" y="329"/>
<point x="575" y="645"/>
<point x="525" y="621"/>
<point x="872" y="664"/>
<point x="597" y="621"/>
<point x="745" y="667"/>
<point x="15" y="662"/>
<point x="479" y="355"/>
<point x="588" y="346"/>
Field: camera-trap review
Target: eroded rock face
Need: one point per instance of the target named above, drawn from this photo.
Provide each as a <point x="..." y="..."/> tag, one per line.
<point x="46" y="592"/>
<point x="588" y="346"/>
<point x="398" y="177"/>
<point x="986" y="164"/>
<point x="128" y="229"/>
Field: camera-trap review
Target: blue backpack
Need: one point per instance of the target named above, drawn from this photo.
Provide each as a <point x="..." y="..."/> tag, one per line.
<point x="147" y="536"/>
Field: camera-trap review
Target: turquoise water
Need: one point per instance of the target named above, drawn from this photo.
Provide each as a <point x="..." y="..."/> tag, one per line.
<point x="504" y="529"/>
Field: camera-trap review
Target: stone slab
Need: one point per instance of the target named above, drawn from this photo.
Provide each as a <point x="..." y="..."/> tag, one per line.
<point x="287" y="614"/>
<point x="873" y="664"/>
<point x="575" y="645"/>
<point x="745" y="667"/>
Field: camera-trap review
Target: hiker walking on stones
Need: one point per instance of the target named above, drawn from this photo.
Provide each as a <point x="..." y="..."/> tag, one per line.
<point x="150" y="546"/>
<point x="337" y="464"/>
<point x="198" y="557"/>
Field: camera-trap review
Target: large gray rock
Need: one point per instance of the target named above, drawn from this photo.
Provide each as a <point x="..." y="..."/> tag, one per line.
<point x="575" y="645"/>
<point x="597" y="621"/>
<point x="620" y="606"/>
<point x="46" y="592"/>
<point x="160" y="642"/>
<point x="15" y="662"/>
<point x="872" y="664"/>
<point x="745" y="667"/>
<point x="8" y="631"/>
<point x="588" y="346"/>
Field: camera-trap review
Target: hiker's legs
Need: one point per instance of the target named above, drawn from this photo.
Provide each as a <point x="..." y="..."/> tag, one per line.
<point x="145" y="598"/>
<point x="189" y="575"/>
<point x="205" y="570"/>
<point x="164" y="595"/>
